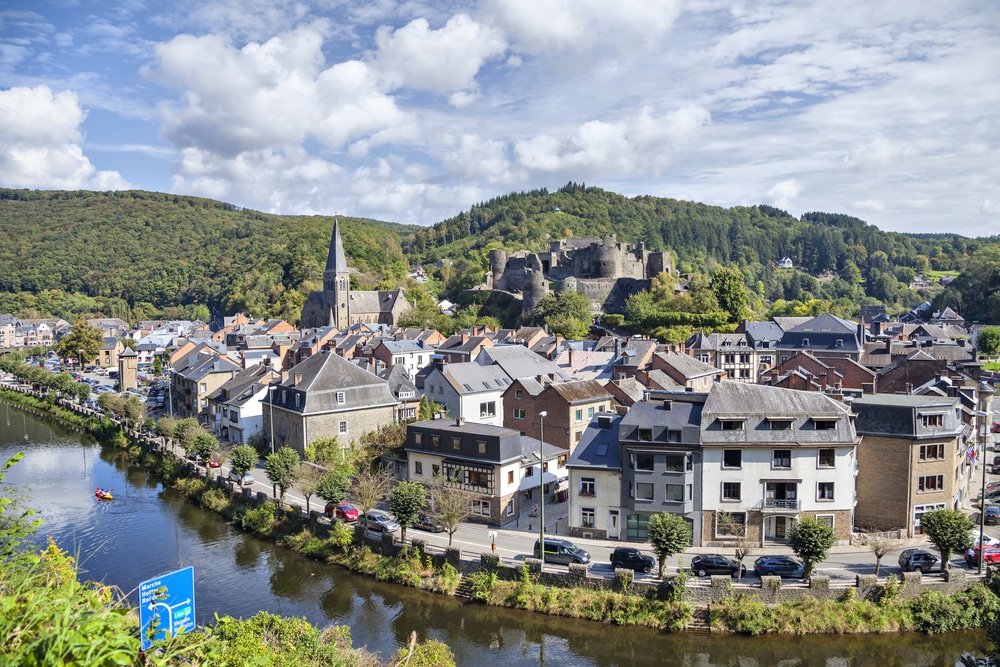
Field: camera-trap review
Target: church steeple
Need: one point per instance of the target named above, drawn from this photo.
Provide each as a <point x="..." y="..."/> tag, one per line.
<point x="337" y="281"/>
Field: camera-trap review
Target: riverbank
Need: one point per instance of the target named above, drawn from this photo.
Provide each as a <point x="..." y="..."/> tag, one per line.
<point x="620" y="601"/>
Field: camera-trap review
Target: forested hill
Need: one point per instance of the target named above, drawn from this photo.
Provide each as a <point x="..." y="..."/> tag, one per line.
<point x="134" y="254"/>
<point x="762" y="234"/>
<point x="166" y="250"/>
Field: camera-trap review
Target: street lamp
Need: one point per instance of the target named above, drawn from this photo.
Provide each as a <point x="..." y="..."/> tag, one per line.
<point x="270" y="405"/>
<point x="541" y="483"/>
<point x="980" y="415"/>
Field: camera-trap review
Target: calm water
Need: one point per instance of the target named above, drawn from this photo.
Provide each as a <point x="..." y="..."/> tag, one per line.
<point x="147" y="531"/>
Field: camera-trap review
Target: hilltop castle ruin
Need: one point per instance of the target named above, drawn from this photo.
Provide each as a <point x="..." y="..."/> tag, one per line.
<point x="605" y="271"/>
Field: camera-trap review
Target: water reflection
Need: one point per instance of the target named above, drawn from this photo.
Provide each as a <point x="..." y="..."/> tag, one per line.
<point x="146" y="531"/>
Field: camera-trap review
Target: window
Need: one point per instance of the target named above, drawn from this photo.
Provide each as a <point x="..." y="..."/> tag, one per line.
<point x="587" y="517"/>
<point x="637" y="527"/>
<point x="341" y="398"/>
<point x="643" y="491"/>
<point x="780" y="424"/>
<point x="824" y="491"/>
<point x="588" y="487"/>
<point x="731" y="424"/>
<point x="343" y="428"/>
<point x="675" y="462"/>
<point x="418" y="438"/>
<point x="827" y="458"/>
<point x="456" y="443"/>
<point x="744" y="373"/>
<point x="675" y="492"/>
<point x="645" y="434"/>
<point x="673" y="436"/>
<point x="518" y="394"/>
<point x="418" y="467"/>
<point x="765" y="360"/>
<point x="644" y="461"/>
<point x="578" y="415"/>
<point x="510" y="508"/>
<point x="825" y="518"/>
<point x="203" y="387"/>
<point x="782" y="458"/>
<point x="481" y="507"/>
<point x="488" y="409"/>
<point x="482" y="446"/>
<point x="435" y="469"/>
<point x="510" y="476"/>
<point x="730" y="524"/>
<point x="297" y="399"/>
<point x="825" y="424"/>
<point x="930" y="483"/>
<point x="732" y="458"/>
<point x="590" y="413"/>
<point x="435" y="441"/>
<point x="518" y="413"/>
<point x="932" y="421"/>
<point x="529" y="472"/>
<point x="731" y="491"/>
<point x="931" y="452"/>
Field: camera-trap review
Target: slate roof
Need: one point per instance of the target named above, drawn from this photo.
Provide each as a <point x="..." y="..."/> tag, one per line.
<point x="322" y="376"/>
<point x="518" y="362"/>
<point x="471" y="378"/>
<point x="823" y="332"/>
<point x="688" y="366"/>
<point x="631" y="387"/>
<point x="404" y="346"/>
<point x="598" y="447"/>
<point x="580" y="391"/>
<point x="894" y="414"/>
<point x="399" y="382"/>
<point x="243" y="386"/>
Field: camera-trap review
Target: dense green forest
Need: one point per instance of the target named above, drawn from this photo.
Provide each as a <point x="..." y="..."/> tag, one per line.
<point x="139" y="254"/>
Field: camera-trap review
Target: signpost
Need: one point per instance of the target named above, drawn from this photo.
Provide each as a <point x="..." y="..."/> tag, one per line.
<point x="166" y="605"/>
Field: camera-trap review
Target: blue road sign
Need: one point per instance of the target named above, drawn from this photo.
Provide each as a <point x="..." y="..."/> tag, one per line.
<point x="167" y="601"/>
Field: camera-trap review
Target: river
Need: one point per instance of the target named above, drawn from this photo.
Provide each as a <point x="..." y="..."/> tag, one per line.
<point x="147" y="531"/>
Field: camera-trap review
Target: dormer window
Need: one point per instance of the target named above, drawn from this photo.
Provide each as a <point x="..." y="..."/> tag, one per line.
<point x="779" y="423"/>
<point x="824" y="424"/>
<point x="840" y="342"/>
<point x="731" y="424"/>
<point x="805" y="342"/>
<point x="341" y="398"/>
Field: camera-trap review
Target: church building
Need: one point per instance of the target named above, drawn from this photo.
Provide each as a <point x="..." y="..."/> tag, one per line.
<point x="337" y="305"/>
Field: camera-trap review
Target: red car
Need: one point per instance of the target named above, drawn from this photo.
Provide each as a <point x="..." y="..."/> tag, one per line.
<point x="213" y="464"/>
<point x="343" y="511"/>
<point x="992" y="555"/>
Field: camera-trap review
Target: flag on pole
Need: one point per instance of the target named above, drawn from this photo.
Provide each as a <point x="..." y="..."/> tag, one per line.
<point x="971" y="453"/>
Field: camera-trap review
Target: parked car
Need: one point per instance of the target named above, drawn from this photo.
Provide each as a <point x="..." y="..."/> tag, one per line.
<point x="782" y="566"/>
<point x="428" y="523"/>
<point x="917" y="559"/>
<point x="344" y="511"/>
<point x="213" y="464"/>
<point x="706" y="564"/>
<point x="631" y="558"/>
<point x="243" y="480"/>
<point x="990" y="555"/>
<point x="562" y="551"/>
<point x="992" y="515"/>
<point x="381" y="522"/>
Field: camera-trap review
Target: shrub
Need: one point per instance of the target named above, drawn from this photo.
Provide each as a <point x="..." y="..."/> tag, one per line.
<point x="482" y="585"/>
<point x="260" y="520"/>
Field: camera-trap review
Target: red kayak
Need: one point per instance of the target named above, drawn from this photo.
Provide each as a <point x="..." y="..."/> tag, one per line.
<point x="101" y="494"/>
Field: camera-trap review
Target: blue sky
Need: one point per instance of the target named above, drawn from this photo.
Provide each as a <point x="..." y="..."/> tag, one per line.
<point x="414" y="111"/>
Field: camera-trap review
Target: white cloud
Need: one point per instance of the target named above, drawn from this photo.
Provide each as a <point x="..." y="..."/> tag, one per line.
<point x="40" y="142"/>
<point x="476" y="158"/>
<point x="439" y="61"/>
<point x="784" y="192"/>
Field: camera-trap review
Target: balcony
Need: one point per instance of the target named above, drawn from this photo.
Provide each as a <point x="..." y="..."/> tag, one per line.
<point x="781" y="505"/>
<point x="588" y="493"/>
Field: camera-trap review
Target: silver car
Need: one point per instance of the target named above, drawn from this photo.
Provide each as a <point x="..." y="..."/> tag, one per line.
<point x="380" y="522"/>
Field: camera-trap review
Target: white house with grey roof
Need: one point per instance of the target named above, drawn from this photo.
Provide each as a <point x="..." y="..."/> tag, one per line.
<point x="519" y="362"/>
<point x="235" y="408"/>
<point x="327" y="396"/>
<point x="771" y="455"/>
<point x="468" y="391"/>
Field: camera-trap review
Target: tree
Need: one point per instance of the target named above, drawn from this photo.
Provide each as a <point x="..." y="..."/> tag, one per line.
<point x="204" y="445"/>
<point x="880" y="545"/>
<point x="743" y="546"/>
<point x="84" y="338"/>
<point x="243" y="458"/>
<point x="949" y="530"/>
<point x="427" y="408"/>
<point x="669" y="534"/>
<point x="166" y="427"/>
<point x="405" y="502"/>
<point x="811" y="539"/>
<point x="566" y="314"/>
<point x="731" y="292"/>
<point x="451" y="505"/>
<point x="280" y="468"/>
<point x="186" y="432"/>
<point x="132" y="410"/>
<point x="369" y="487"/>
<point x="988" y="341"/>
<point x="307" y="476"/>
<point x="324" y="451"/>
<point x="333" y="485"/>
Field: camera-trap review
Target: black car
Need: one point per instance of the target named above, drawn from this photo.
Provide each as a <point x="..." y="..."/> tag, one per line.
<point x="428" y="523"/>
<point x="630" y="558"/>
<point x="992" y="515"/>
<point x="781" y="566"/>
<point x="707" y="564"/>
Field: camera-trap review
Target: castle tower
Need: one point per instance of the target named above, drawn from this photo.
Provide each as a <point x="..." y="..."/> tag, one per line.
<point x="337" y="282"/>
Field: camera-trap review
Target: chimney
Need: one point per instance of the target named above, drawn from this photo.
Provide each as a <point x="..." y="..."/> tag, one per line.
<point x="909" y="389"/>
<point x="296" y="379"/>
<point x="465" y="338"/>
<point x="571" y="357"/>
<point x="540" y="379"/>
<point x="667" y="405"/>
<point x="459" y="421"/>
